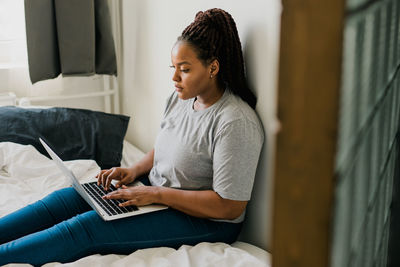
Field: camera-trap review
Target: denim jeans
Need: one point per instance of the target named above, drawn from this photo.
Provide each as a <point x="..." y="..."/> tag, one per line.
<point x="62" y="227"/>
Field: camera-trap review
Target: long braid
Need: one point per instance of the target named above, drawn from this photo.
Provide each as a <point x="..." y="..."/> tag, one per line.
<point x="214" y="35"/>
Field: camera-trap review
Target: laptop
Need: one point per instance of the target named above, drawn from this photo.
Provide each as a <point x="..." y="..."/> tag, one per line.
<point x="92" y="193"/>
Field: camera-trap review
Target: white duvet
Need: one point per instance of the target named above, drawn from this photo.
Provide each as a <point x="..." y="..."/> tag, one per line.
<point x="26" y="176"/>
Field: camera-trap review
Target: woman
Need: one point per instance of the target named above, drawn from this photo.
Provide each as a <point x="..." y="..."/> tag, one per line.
<point x="202" y="166"/>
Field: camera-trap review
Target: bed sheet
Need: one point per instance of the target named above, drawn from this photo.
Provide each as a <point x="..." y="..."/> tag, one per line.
<point x="26" y="176"/>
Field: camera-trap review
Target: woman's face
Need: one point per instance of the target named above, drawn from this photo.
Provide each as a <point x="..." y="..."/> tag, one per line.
<point x="191" y="77"/>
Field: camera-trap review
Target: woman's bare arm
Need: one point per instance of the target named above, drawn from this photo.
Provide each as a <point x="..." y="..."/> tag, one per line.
<point x="203" y="204"/>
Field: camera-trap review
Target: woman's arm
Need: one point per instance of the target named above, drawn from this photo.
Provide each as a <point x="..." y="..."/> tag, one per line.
<point x="203" y="204"/>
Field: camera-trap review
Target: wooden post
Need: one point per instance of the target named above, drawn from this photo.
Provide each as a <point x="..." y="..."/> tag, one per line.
<point x="308" y="102"/>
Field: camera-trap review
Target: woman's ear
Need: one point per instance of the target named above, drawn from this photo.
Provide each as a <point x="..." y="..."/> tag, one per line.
<point x="214" y="68"/>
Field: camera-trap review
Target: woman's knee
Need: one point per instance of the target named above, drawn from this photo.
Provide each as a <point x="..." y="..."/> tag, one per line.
<point x="63" y="193"/>
<point x="64" y="203"/>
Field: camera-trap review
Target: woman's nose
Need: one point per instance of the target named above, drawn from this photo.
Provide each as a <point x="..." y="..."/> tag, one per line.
<point x="175" y="76"/>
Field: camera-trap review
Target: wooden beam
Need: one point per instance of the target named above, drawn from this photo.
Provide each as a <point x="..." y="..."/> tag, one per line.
<point x="308" y="102"/>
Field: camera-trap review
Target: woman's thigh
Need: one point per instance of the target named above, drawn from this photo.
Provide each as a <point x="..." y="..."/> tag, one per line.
<point x="169" y="228"/>
<point x="87" y="234"/>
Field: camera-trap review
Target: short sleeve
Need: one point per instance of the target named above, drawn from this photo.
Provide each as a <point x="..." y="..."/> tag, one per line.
<point x="237" y="148"/>
<point x="168" y="102"/>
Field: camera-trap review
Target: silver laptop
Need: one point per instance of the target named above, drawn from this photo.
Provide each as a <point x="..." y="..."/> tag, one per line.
<point x="92" y="193"/>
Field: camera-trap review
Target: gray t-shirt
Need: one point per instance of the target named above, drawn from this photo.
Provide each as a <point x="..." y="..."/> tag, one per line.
<point x="213" y="149"/>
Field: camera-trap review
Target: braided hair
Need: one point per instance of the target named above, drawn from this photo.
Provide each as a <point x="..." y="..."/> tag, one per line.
<point x="213" y="35"/>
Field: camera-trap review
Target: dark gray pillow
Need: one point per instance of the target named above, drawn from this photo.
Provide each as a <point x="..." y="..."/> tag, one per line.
<point x="71" y="133"/>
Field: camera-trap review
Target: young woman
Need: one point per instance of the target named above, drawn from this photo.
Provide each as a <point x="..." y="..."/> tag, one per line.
<point x="202" y="166"/>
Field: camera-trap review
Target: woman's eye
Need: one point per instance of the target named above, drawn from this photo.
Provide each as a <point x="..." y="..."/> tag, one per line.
<point x="185" y="70"/>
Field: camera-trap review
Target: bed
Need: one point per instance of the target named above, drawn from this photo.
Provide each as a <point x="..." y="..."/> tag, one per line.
<point x="27" y="174"/>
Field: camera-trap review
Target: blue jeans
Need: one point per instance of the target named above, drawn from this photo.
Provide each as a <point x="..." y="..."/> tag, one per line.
<point x="62" y="227"/>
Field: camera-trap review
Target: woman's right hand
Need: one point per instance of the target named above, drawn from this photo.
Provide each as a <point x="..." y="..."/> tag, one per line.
<point x="123" y="175"/>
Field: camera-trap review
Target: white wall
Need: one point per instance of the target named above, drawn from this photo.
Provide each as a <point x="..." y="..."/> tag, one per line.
<point x="150" y="29"/>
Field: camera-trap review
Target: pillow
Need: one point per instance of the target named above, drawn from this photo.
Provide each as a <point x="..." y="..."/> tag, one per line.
<point x="71" y="133"/>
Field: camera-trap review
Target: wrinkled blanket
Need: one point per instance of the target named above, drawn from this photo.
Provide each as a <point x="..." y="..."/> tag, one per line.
<point x="26" y="176"/>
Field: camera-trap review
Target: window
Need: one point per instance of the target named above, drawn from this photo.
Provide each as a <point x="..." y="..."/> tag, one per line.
<point x="14" y="74"/>
<point x="14" y="71"/>
<point x="12" y="34"/>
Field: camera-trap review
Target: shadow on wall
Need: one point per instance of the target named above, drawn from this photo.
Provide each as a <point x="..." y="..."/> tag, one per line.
<point x="256" y="229"/>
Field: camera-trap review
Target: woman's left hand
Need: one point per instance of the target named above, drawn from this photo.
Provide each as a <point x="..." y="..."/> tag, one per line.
<point x="135" y="195"/>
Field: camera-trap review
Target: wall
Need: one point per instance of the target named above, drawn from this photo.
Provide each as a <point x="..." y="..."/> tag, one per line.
<point x="149" y="29"/>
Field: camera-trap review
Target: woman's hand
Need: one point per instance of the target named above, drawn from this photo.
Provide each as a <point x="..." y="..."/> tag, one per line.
<point x="124" y="175"/>
<point x="135" y="195"/>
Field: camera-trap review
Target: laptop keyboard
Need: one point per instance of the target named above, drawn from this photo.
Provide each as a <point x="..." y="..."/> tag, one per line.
<point x="109" y="205"/>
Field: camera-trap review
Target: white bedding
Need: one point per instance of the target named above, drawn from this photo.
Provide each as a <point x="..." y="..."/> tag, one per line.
<point x="26" y="176"/>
